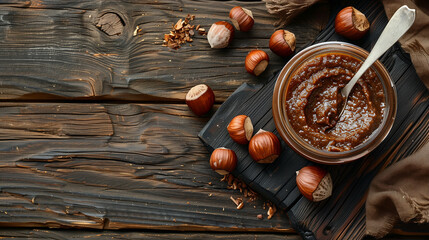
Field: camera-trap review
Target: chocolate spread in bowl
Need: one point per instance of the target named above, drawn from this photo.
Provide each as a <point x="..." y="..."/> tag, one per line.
<point x="313" y="102"/>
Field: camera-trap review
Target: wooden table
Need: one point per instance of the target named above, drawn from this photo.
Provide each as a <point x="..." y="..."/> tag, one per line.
<point x="94" y="130"/>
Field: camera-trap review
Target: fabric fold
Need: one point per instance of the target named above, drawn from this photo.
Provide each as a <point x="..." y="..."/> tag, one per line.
<point x="399" y="193"/>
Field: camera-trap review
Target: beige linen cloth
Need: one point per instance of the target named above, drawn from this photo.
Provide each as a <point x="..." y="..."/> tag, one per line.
<point x="401" y="192"/>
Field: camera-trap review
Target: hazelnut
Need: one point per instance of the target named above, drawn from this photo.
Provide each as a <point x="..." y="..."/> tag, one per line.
<point x="351" y="23"/>
<point x="314" y="183"/>
<point x="264" y="147"/>
<point x="220" y="34"/>
<point x="256" y="62"/>
<point x="240" y="129"/>
<point x="223" y="160"/>
<point x="200" y="99"/>
<point x="282" y="43"/>
<point x="241" y="18"/>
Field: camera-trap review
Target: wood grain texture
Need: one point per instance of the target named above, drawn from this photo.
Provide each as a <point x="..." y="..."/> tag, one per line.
<point x="114" y="166"/>
<point x="98" y="235"/>
<point x="342" y="215"/>
<point x="61" y="234"/>
<point x="53" y="49"/>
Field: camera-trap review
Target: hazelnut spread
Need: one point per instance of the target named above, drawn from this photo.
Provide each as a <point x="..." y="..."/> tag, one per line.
<point x="313" y="103"/>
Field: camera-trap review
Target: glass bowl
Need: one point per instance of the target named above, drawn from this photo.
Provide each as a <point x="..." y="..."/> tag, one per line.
<point x="295" y="141"/>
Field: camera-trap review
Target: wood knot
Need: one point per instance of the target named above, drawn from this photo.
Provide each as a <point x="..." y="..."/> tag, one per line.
<point x="110" y="23"/>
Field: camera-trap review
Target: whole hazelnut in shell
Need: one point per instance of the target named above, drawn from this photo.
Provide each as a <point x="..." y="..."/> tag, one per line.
<point x="282" y="43"/>
<point x="240" y="129"/>
<point x="241" y="18"/>
<point x="256" y="62"/>
<point x="223" y="160"/>
<point x="264" y="147"/>
<point x="200" y="99"/>
<point x="314" y="183"/>
<point x="220" y="34"/>
<point x="351" y="23"/>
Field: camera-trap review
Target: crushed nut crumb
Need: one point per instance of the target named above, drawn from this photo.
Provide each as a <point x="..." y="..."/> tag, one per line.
<point x="238" y="202"/>
<point x="271" y="210"/>
<point x="202" y="31"/>
<point x="232" y="199"/>
<point x="249" y="194"/>
<point x="235" y="183"/>
<point x="181" y="33"/>
<point x="136" y="31"/>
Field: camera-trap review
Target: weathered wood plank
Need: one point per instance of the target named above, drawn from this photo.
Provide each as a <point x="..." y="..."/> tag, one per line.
<point x="114" y="166"/>
<point x="61" y="234"/>
<point x="78" y="234"/>
<point x="53" y="49"/>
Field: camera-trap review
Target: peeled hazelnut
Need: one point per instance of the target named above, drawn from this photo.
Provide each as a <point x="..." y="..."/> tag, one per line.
<point x="200" y="99"/>
<point x="264" y="147"/>
<point x="241" y="18"/>
<point x="351" y="23"/>
<point x="220" y="34"/>
<point x="256" y="62"/>
<point x="282" y="43"/>
<point x="240" y="129"/>
<point x="314" y="183"/>
<point x="223" y="160"/>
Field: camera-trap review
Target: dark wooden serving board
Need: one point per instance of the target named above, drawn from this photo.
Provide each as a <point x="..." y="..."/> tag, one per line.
<point x="342" y="216"/>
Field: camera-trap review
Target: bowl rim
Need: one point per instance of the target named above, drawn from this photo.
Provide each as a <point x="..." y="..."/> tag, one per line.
<point x="305" y="149"/>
